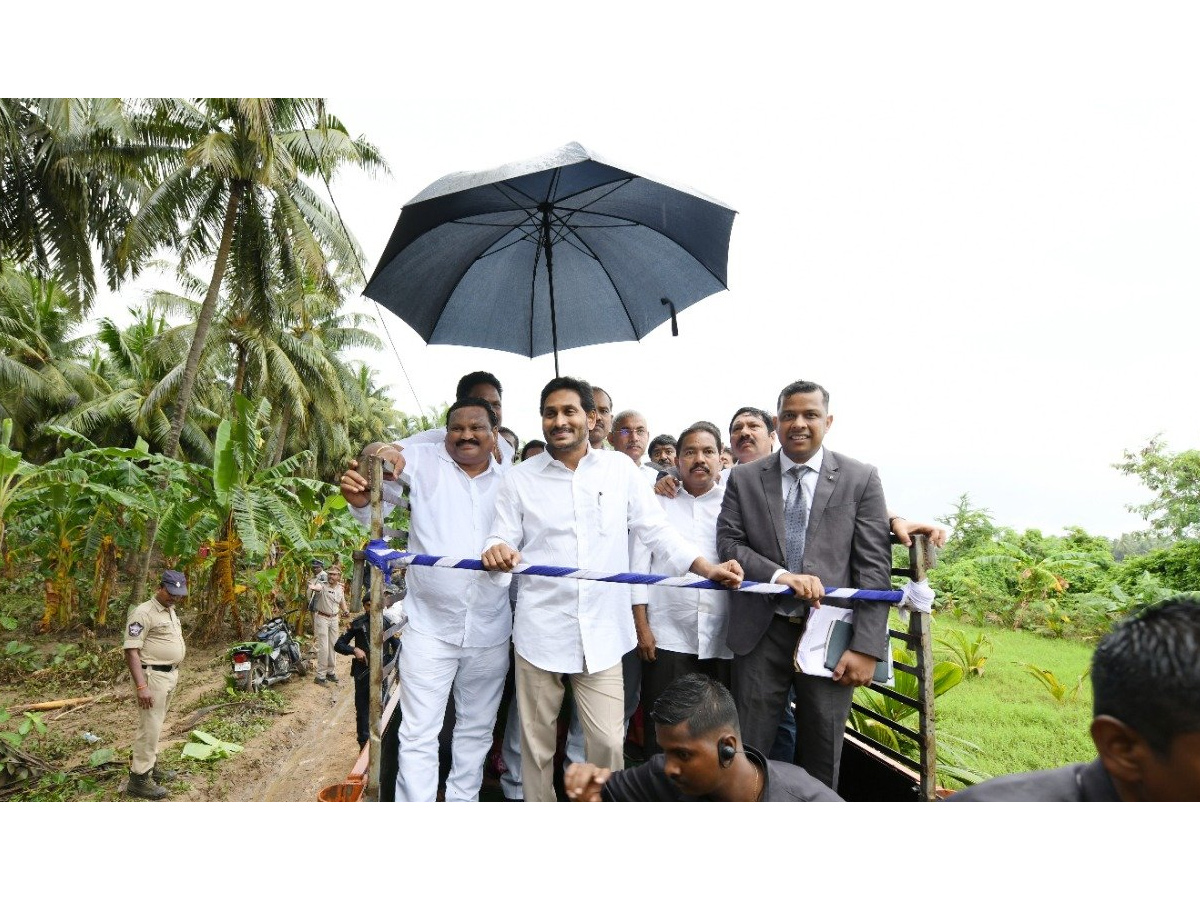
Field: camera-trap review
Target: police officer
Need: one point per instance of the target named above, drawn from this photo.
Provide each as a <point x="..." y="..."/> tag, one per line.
<point x="330" y="604"/>
<point x="153" y="651"/>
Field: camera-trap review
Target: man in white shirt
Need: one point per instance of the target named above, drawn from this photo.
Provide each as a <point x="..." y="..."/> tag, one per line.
<point x="682" y="630"/>
<point x="481" y="386"/>
<point x="573" y="506"/>
<point x="459" y="622"/>
<point x="604" y="418"/>
<point x="630" y="436"/>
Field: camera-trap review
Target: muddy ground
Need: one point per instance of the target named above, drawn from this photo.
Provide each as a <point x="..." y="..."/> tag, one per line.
<point x="307" y="746"/>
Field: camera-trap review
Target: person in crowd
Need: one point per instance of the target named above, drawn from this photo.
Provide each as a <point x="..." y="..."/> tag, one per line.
<point x="459" y="622"/>
<point x="703" y="758"/>
<point x="533" y="448"/>
<point x="804" y="517"/>
<point x="1145" y="718"/>
<point x="154" y="649"/>
<point x="510" y="437"/>
<point x="662" y="451"/>
<point x="604" y="418"/>
<point x="574" y="506"/>
<point x="481" y="386"/>
<point x="726" y="458"/>
<point x="681" y="631"/>
<point x="355" y="642"/>
<point x="629" y="436"/>
<point x="329" y="606"/>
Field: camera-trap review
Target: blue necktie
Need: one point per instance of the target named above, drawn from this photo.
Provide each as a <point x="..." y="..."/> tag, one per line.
<point x="795" y="523"/>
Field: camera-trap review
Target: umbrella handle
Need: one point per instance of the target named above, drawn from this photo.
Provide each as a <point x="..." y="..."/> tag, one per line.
<point x="674" y="325"/>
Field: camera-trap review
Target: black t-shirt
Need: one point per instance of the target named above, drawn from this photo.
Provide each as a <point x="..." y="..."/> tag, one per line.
<point x="785" y="783"/>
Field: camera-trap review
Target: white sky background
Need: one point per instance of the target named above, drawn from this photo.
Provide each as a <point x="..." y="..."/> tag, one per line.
<point x="977" y="229"/>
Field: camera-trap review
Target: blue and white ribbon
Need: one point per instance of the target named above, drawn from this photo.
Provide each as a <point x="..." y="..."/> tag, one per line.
<point x="916" y="597"/>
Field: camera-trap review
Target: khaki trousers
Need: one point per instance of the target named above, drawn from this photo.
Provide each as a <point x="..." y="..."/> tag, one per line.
<point x="327" y="634"/>
<point x="600" y="699"/>
<point x="150" y="721"/>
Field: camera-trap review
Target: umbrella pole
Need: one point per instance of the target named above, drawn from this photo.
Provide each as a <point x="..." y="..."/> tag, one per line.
<point x="545" y="208"/>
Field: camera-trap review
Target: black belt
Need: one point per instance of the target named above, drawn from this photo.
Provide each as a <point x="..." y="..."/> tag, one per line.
<point x="158" y="668"/>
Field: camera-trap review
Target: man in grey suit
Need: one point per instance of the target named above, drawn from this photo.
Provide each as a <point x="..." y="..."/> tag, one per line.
<point x="804" y="517"/>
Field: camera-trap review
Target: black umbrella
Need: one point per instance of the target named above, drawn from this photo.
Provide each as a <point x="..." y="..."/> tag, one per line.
<point x="555" y="252"/>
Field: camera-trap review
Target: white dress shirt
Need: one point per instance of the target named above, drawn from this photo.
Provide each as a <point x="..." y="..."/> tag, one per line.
<point x="810" y="480"/>
<point x="582" y="519"/>
<point x="687" y="620"/>
<point x="451" y="515"/>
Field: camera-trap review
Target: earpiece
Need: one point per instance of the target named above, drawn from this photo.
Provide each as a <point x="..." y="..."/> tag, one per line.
<point x="726" y="753"/>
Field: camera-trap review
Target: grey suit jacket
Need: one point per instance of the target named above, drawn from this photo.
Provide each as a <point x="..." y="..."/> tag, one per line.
<point x="846" y="545"/>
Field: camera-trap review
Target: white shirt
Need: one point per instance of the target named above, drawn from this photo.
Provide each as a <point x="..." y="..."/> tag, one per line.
<point x="451" y="515"/>
<point x="581" y="519"/>
<point x="687" y="620"/>
<point x="809" y="480"/>
<point x="649" y="472"/>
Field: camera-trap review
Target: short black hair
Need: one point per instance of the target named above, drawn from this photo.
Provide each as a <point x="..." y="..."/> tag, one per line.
<point x="1146" y="672"/>
<point x="535" y="444"/>
<point x="504" y="429"/>
<point x="705" y="704"/>
<point x="473" y="380"/>
<point x="707" y="427"/>
<point x="596" y="387"/>
<point x="663" y="440"/>
<point x="566" y="383"/>
<point x="465" y="402"/>
<point x="802" y="387"/>
<point x="757" y="413"/>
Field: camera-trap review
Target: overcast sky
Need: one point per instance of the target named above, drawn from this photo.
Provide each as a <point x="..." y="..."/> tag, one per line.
<point x="978" y="231"/>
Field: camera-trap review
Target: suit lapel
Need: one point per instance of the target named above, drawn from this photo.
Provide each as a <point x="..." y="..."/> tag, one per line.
<point x="827" y="480"/>
<point x="769" y="477"/>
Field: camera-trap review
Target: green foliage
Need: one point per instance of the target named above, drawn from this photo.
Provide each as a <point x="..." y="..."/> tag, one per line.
<point x="1061" y="692"/>
<point x="1174" y="479"/>
<point x="1174" y="569"/>
<point x="204" y="746"/>
<point x="951" y="761"/>
<point x="970" y="653"/>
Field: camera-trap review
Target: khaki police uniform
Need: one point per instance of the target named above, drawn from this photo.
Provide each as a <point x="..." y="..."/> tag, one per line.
<point x="154" y="631"/>
<point x="331" y="600"/>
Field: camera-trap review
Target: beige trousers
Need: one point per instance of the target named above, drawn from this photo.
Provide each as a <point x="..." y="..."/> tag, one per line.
<point x="600" y="698"/>
<point x="327" y="635"/>
<point x="150" y="721"/>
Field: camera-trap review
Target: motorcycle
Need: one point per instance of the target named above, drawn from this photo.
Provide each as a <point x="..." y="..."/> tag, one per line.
<point x="273" y="656"/>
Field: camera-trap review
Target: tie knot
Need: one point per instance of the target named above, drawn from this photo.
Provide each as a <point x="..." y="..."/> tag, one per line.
<point x="799" y="471"/>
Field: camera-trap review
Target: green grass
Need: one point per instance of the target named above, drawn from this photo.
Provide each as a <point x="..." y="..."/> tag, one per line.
<point x="1008" y="714"/>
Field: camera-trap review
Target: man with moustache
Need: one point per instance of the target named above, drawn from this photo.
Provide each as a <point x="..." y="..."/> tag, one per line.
<point x="804" y="517"/>
<point x="459" y="624"/>
<point x="576" y="507"/>
<point x="604" y="418"/>
<point x="482" y="386"/>
<point x="681" y="631"/>
<point x="662" y="452"/>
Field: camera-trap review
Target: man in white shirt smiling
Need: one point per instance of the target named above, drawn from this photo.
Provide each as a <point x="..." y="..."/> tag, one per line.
<point x="459" y="621"/>
<point x="682" y="631"/>
<point x="574" y="506"/>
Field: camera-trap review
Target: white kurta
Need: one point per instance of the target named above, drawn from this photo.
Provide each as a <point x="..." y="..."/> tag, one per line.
<point x="581" y="519"/>
<point x="686" y="620"/>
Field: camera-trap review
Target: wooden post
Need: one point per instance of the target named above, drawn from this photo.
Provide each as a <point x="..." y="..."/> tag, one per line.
<point x="375" y="659"/>
<point x="920" y="560"/>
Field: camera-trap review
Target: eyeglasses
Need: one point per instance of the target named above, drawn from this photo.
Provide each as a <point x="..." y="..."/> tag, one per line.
<point x="630" y="432"/>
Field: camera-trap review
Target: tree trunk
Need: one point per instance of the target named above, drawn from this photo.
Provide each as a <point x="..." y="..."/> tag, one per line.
<point x="239" y="379"/>
<point x="284" y="425"/>
<point x="184" y="398"/>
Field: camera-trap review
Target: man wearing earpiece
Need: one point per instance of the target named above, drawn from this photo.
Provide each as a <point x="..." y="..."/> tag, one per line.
<point x="703" y="758"/>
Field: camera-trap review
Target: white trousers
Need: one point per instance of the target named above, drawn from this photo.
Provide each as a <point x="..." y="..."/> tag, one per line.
<point x="429" y="669"/>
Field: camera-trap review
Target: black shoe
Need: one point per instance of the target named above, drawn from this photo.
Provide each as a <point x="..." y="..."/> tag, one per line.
<point x="143" y="786"/>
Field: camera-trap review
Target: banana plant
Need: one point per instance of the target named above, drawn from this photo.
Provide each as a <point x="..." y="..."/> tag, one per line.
<point x="14" y="472"/>
<point x="247" y="507"/>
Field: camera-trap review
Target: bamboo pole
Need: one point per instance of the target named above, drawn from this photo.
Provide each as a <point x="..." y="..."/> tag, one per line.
<point x="376" y="655"/>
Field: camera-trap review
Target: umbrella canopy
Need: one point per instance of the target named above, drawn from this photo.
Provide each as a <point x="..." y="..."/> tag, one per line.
<point x="560" y="251"/>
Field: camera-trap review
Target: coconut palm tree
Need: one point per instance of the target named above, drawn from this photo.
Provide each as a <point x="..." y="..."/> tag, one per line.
<point x="230" y="187"/>
<point x="68" y="176"/>
<point x="43" y="367"/>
